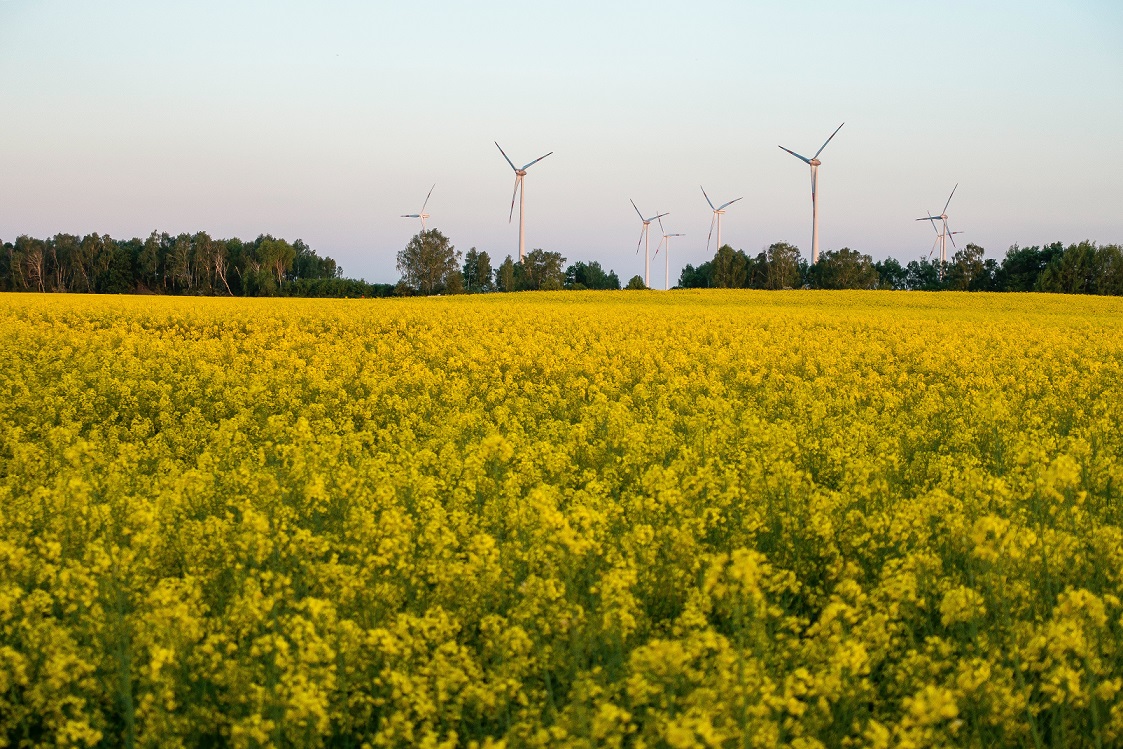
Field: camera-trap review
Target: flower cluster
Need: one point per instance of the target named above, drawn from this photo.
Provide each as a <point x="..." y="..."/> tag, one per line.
<point x="587" y="519"/>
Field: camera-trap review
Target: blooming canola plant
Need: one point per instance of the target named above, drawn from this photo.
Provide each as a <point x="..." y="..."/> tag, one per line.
<point x="562" y="519"/>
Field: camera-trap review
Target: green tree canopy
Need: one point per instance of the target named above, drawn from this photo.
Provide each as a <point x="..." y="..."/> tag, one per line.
<point x="635" y="283"/>
<point x="844" y="269"/>
<point x="429" y="262"/>
<point x="543" y="271"/>
<point x="891" y="274"/>
<point x="701" y="277"/>
<point x="781" y="270"/>
<point x="478" y="275"/>
<point x="583" y="275"/>
<point x="966" y="265"/>
<point x="731" y="268"/>
<point x="505" y="275"/>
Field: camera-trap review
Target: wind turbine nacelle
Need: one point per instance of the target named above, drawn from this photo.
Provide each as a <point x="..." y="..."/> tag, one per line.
<point x="816" y="162"/>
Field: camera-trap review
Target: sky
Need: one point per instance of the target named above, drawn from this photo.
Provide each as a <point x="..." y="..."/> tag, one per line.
<point x="325" y="121"/>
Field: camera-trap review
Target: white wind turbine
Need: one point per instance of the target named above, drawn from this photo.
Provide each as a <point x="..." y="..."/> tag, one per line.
<point x="815" y="164"/>
<point x="667" y="254"/>
<point x="942" y="237"/>
<point x="520" y="188"/>
<point x="645" y="240"/>
<point x="718" y="213"/>
<point x="423" y="215"/>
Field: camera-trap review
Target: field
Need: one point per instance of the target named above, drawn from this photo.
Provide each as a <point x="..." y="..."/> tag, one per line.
<point x="568" y="519"/>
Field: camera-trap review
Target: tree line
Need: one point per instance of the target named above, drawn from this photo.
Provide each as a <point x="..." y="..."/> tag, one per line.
<point x="430" y="264"/>
<point x="179" y="264"/>
<point x="1082" y="268"/>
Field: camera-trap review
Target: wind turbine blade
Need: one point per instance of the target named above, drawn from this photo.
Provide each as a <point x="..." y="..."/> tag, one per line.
<point x="950" y="236"/>
<point x="731" y="202"/>
<point x="528" y="166"/>
<point x="637" y="209"/>
<point x="711" y="234"/>
<point x="950" y="197"/>
<point x="504" y="156"/>
<point x="828" y="141"/>
<point x="640" y="242"/>
<point x="411" y="215"/>
<point x="661" y="215"/>
<point x="659" y="218"/>
<point x="804" y="159"/>
<point x="434" y="187"/>
<point x="707" y="198"/>
<point x="518" y="184"/>
<point x="657" y="247"/>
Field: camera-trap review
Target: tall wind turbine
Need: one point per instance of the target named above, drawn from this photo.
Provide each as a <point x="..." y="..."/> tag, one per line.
<point x="815" y="164"/>
<point x="718" y="213"/>
<point x="520" y="188"/>
<point x="942" y="237"/>
<point x="423" y="215"/>
<point x="667" y="254"/>
<point x="645" y="240"/>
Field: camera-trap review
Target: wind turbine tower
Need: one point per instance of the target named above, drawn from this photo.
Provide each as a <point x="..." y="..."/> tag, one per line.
<point x="667" y="254"/>
<point x="520" y="189"/>
<point x="942" y="237"/>
<point x="814" y="164"/>
<point x="645" y="240"/>
<point x="423" y="215"/>
<point x="719" y="211"/>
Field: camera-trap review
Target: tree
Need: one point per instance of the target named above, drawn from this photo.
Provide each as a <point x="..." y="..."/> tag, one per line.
<point x="1022" y="267"/>
<point x="701" y="277"/>
<point x="1072" y="272"/>
<point x="731" y="268"/>
<point x="923" y="275"/>
<point x="543" y="271"/>
<point x="505" y="275"/>
<point x="307" y="264"/>
<point x="844" y="269"/>
<point x="275" y="256"/>
<point x="966" y="265"/>
<point x="429" y="262"/>
<point x="477" y="272"/>
<point x="31" y="257"/>
<point x="781" y="266"/>
<point x="582" y="275"/>
<point x="635" y="283"/>
<point x="1109" y="270"/>
<point x="891" y="274"/>
<point x="151" y="260"/>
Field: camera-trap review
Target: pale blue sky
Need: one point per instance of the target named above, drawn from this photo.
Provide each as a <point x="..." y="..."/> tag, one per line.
<point x="327" y="120"/>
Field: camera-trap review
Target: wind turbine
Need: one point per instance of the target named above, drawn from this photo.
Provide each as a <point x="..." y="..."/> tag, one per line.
<point x="815" y="164"/>
<point x="942" y="237"/>
<point x="667" y="254"/>
<point x="645" y="240"/>
<point x="718" y="213"/>
<point x="423" y="215"/>
<point x="520" y="188"/>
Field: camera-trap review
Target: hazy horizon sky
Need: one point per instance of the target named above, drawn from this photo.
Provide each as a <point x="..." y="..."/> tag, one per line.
<point x="326" y="121"/>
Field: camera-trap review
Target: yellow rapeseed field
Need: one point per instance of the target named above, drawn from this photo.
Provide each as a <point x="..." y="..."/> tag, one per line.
<point x="852" y="519"/>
